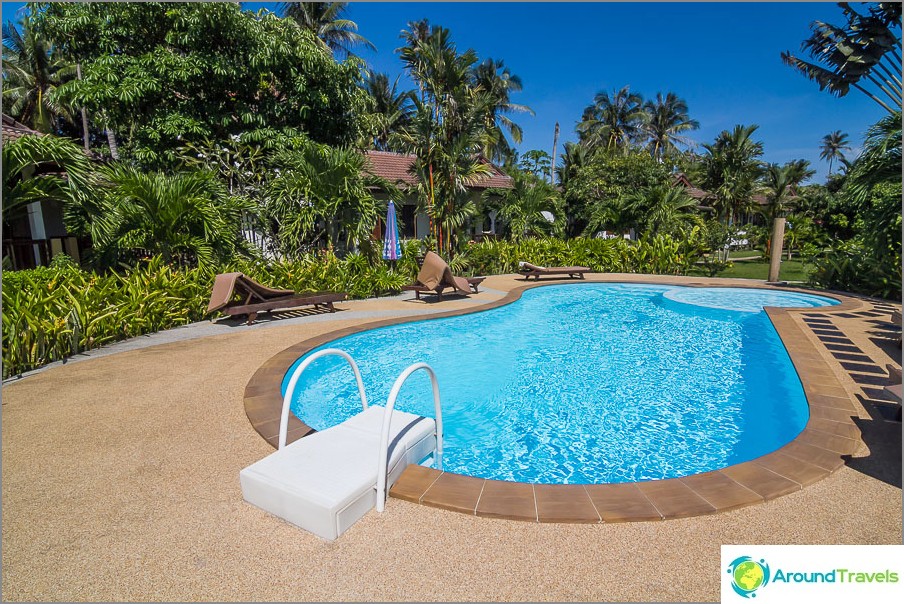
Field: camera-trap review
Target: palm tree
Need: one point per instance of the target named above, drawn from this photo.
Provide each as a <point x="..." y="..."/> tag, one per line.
<point x="666" y="118"/>
<point x="32" y="70"/>
<point x="832" y="146"/>
<point x="778" y="187"/>
<point x="732" y="166"/>
<point x="494" y="78"/>
<point x="449" y="129"/>
<point x="171" y="215"/>
<point x="864" y="52"/>
<point x="798" y="171"/>
<point x="880" y="160"/>
<point x="663" y="209"/>
<point x="32" y="171"/>
<point x="613" y="122"/>
<point x="393" y="109"/>
<point x="325" y="20"/>
<point x="319" y="193"/>
<point x="523" y="206"/>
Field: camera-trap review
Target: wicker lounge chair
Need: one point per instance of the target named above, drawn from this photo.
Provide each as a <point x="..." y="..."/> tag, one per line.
<point x="435" y="276"/>
<point x="235" y="294"/>
<point x="532" y="270"/>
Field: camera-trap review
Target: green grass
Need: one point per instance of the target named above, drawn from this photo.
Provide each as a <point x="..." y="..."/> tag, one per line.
<point x="743" y="254"/>
<point x="791" y="270"/>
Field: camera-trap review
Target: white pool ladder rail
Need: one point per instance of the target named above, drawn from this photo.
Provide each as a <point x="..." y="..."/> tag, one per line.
<point x="328" y="480"/>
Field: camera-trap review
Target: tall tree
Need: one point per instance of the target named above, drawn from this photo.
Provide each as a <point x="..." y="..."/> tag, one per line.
<point x="833" y="146"/>
<point x="614" y="121"/>
<point x="392" y="109"/>
<point x="778" y="188"/>
<point x="32" y="70"/>
<point x="494" y="78"/>
<point x="163" y="74"/>
<point x="864" y="54"/>
<point x="326" y="21"/>
<point x="732" y="166"/>
<point x="449" y="130"/>
<point x="667" y="118"/>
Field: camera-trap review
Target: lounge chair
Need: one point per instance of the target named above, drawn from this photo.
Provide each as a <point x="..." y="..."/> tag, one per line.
<point x="532" y="270"/>
<point x="435" y="276"/>
<point x="236" y="294"/>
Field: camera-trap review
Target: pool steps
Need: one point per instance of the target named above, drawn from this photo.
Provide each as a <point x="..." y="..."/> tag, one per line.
<point x="327" y="481"/>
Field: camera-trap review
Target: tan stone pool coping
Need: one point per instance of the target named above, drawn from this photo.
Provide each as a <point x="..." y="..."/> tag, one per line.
<point x="820" y="449"/>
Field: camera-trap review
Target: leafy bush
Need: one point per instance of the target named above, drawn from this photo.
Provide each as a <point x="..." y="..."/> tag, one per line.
<point x="51" y="313"/>
<point x="655" y="255"/>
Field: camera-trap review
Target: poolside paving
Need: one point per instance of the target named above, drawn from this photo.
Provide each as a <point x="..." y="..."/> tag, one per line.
<point x="120" y="482"/>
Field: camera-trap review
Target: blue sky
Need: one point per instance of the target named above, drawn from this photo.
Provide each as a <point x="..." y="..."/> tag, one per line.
<point x="722" y="58"/>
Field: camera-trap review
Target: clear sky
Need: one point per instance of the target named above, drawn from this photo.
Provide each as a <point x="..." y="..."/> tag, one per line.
<point x="722" y="58"/>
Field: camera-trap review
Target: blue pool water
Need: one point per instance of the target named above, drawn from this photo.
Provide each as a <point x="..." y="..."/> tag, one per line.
<point x="582" y="384"/>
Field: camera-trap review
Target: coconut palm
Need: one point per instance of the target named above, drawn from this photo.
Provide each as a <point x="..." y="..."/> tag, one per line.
<point x="494" y="78"/>
<point x="732" y="166"/>
<point x="798" y="171"/>
<point x="880" y="160"/>
<point x="667" y="118"/>
<point x="325" y="20"/>
<point x="832" y="146"/>
<point x="778" y="184"/>
<point x="32" y="70"/>
<point x="613" y="121"/>
<point x="865" y="52"/>
<point x="393" y="109"/>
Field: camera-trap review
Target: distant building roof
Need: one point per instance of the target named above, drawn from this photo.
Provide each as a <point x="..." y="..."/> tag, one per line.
<point x="395" y="167"/>
<point x="699" y="194"/>
<point x="13" y="130"/>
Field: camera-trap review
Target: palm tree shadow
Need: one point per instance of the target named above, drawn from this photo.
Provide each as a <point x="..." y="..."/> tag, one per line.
<point x="882" y="435"/>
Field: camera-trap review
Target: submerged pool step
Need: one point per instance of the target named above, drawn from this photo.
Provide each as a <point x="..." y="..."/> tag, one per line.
<point x="325" y="482"/>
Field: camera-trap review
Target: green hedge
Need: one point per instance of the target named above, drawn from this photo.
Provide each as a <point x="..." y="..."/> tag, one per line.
<point x="51" y="313"/>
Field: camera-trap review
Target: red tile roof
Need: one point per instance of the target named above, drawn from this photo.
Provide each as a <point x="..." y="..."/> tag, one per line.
<point x="692" y="191"/>
<point x="13" y="130"/>
<point x="395" y="167"/>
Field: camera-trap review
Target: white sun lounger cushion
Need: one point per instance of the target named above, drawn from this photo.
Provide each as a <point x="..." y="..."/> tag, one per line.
<point x="326" y="481"/>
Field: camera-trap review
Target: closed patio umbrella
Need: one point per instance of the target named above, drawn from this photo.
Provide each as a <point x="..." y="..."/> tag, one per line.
<point x="392" y="250"/>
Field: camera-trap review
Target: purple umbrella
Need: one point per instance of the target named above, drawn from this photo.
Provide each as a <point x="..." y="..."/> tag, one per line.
<point x="392" y="250"/>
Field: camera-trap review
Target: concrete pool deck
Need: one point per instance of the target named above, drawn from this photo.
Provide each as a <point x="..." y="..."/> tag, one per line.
<point x="120" y="482"/>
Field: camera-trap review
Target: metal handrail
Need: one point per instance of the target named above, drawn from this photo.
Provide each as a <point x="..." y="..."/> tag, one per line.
<point x="387" y="421"/>
<point x="293" y="381"/>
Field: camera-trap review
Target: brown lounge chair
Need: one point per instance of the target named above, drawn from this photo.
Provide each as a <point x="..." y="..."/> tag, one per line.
<point x="237" y="294"/>
<point x="532" y="270"/>
<point x="435" y="276"/>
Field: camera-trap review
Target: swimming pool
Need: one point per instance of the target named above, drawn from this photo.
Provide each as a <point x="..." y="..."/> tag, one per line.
<point x="589" y="383"/>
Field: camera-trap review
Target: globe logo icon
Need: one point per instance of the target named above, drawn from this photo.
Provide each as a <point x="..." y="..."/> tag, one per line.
<point x="748" y="575"/>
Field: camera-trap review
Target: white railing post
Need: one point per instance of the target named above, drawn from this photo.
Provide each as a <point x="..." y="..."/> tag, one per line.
<point x="293" y="381"/>
<point x="387" y="422"/>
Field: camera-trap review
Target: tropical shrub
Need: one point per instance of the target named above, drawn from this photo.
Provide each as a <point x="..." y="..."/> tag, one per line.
<point x="655" y="255"/>
<point x="51" y="313"/>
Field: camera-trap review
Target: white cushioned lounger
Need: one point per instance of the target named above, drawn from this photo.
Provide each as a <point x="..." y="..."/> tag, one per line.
<point x="325" y="482"/>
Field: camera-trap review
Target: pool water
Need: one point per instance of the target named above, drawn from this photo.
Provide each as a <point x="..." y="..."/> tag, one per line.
<point x="585" y="383"/>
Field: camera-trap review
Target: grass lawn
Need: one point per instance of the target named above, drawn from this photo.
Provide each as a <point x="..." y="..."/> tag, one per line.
<point x="743" y="254"/>
<point x="791" y="270"/>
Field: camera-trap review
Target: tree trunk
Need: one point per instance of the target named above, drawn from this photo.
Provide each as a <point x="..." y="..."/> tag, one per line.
<point x="775" y="259"/>
<point x="552" y="166"/>
<point x="111" y="139"/>
<point x="78" y="73"/>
